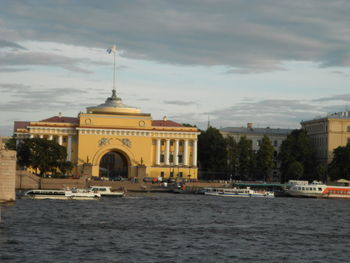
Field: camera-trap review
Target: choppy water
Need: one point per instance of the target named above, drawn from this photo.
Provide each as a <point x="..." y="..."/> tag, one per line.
<point x="176" y="228"/>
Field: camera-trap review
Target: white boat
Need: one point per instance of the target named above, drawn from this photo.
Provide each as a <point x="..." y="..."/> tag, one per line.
<point x="70" y="194"/>
<point x="318" y="190"/>
<point x="237" y="192"/>
<point x="106" y="191"/>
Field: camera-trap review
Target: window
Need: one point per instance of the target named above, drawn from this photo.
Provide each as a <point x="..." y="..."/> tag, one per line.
<point x="162" y="142"/>
<point x="171" y="143"/>
<point x="180" y="174"/>
<point x="275" y="143"/>
<point x="181" y="143"/>
<point x="161" y="174"/>
<point x="162" y="158"/>
<point x="171" y="174"/>
<point x="180" y="158"/>
<point x="319" y="189"/>
<point x="171" y="158"/>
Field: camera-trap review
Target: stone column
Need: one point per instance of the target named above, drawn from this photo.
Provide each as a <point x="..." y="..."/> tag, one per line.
<point x="176" y="152"/>
<point x="51" y="137"/>
<point x="60" y="139"/>
<point x="31" y="136"/>
<point x="185" y="152"/>
<point x="69" y="148"/>
<point x="194" y="153"/>
<point x="158" y="152"/>
<point x="167" y="151"/>
<point x="41" y="136"/>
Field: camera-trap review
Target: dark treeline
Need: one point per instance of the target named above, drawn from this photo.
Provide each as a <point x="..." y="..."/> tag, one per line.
<point x="44" y="156"/>
<point x="225" y="158"/>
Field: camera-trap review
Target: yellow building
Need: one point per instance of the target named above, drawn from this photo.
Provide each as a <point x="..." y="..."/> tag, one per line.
<point x="328" y="133"/>
<point x="119" y="141"/>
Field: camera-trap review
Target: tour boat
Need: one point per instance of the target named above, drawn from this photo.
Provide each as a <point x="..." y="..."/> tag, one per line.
<point x="318" y="190"/>
<point x="71" y="194"/>
<point x="106" y="191"/>
<point x="237" y="192"/>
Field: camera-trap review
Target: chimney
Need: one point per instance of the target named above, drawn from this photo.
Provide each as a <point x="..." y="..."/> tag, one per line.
<point x="250" y="125"/>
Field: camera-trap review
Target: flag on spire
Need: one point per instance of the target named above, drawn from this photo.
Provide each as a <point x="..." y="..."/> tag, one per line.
<point x="112" y="49"/>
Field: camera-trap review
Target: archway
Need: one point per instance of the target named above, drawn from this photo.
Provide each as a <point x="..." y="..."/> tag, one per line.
<point x="114" y="166"/>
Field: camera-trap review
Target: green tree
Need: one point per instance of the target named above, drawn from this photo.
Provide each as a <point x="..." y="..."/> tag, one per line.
<point x="339" y="168"/>
<point x="264" y="159"/>
<point x="212" y="153"/>
<point x="295" y="171"/>
<point x="44" y="155"/>
<point x="298" y="147"/>
<point x="11" y="144"/>
<point x="246" y="160"/>
<point x="232" y="155"/>
<point x="321" y="172"/>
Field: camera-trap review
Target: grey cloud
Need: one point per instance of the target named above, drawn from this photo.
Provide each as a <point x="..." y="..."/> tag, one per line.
<point x="26" y="91"/>
<point x="179" y="102"/>
<point x="340" y="97"/>
<point x="247" y="36"/>
<point x="272" y="113"/>
<point x="5" y="43"/>
<point x="12" y="60"/>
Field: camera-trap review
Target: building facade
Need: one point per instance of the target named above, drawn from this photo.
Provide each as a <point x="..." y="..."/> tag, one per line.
<point x="328" y="133"/>
<point x="277" y="136"/>
<point x="116" y="141"/>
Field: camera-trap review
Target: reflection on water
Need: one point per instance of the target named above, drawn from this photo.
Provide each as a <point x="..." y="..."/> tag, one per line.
<point x="176" y="228"/>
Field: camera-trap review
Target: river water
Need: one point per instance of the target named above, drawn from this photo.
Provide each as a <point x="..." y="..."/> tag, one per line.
<point x="176" y="228"/>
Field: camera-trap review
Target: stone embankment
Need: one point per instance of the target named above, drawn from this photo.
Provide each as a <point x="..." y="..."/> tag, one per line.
<point x="25" y="180"/>
<point x="7" y="175"/>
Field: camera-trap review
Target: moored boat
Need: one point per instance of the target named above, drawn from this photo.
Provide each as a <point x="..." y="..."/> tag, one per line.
<point x="237" y="192"/>
<point x="71" y="194"/>
<point x="106" y="191"/>
<point x="319" y="190"/>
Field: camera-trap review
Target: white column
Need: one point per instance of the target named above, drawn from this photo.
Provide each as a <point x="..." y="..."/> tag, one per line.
<point x="176" y="152"/>
<point x="167" y="151"/>
<point x="69" y="148"/>
<point x="41" y="136"/>
<point x="158" y="152"/>
<point x="50" y="137"/>
<point x="194" y="153"/>
<point x="186" y="152"/>
<point x="60" y="139"/>
<point x="31" y="136"/>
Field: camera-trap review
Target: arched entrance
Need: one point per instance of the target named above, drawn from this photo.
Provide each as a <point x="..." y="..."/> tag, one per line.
<point x="113" y="165"/>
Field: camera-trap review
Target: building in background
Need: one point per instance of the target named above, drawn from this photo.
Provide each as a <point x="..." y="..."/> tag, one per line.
<point x="276" y="135"/>
<point x="328" y="133"/>
<point x="119" y="141"/>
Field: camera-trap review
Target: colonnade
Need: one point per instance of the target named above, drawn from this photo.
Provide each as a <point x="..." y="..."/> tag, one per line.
<point x="176" y="152"/>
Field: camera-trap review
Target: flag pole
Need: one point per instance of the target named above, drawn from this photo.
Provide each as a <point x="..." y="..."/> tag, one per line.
<point x="114" y="51"/>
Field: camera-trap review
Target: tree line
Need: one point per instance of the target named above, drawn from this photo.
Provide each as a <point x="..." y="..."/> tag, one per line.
<point x="225" y="158"/>
<point x="42" y="155"/>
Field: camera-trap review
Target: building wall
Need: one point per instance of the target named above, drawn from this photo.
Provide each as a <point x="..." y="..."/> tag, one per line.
<point x="327" y="134"/>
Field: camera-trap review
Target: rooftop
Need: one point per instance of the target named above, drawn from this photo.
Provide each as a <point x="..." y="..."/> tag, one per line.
<point x="243" y="130"/>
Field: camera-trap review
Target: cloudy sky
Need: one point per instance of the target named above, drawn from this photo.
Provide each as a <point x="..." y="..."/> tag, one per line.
<point x="270" y="62"/>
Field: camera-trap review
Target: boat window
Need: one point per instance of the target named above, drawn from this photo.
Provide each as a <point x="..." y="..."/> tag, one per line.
<point x="319" y="189"/>
<point x="303" y="188"/>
